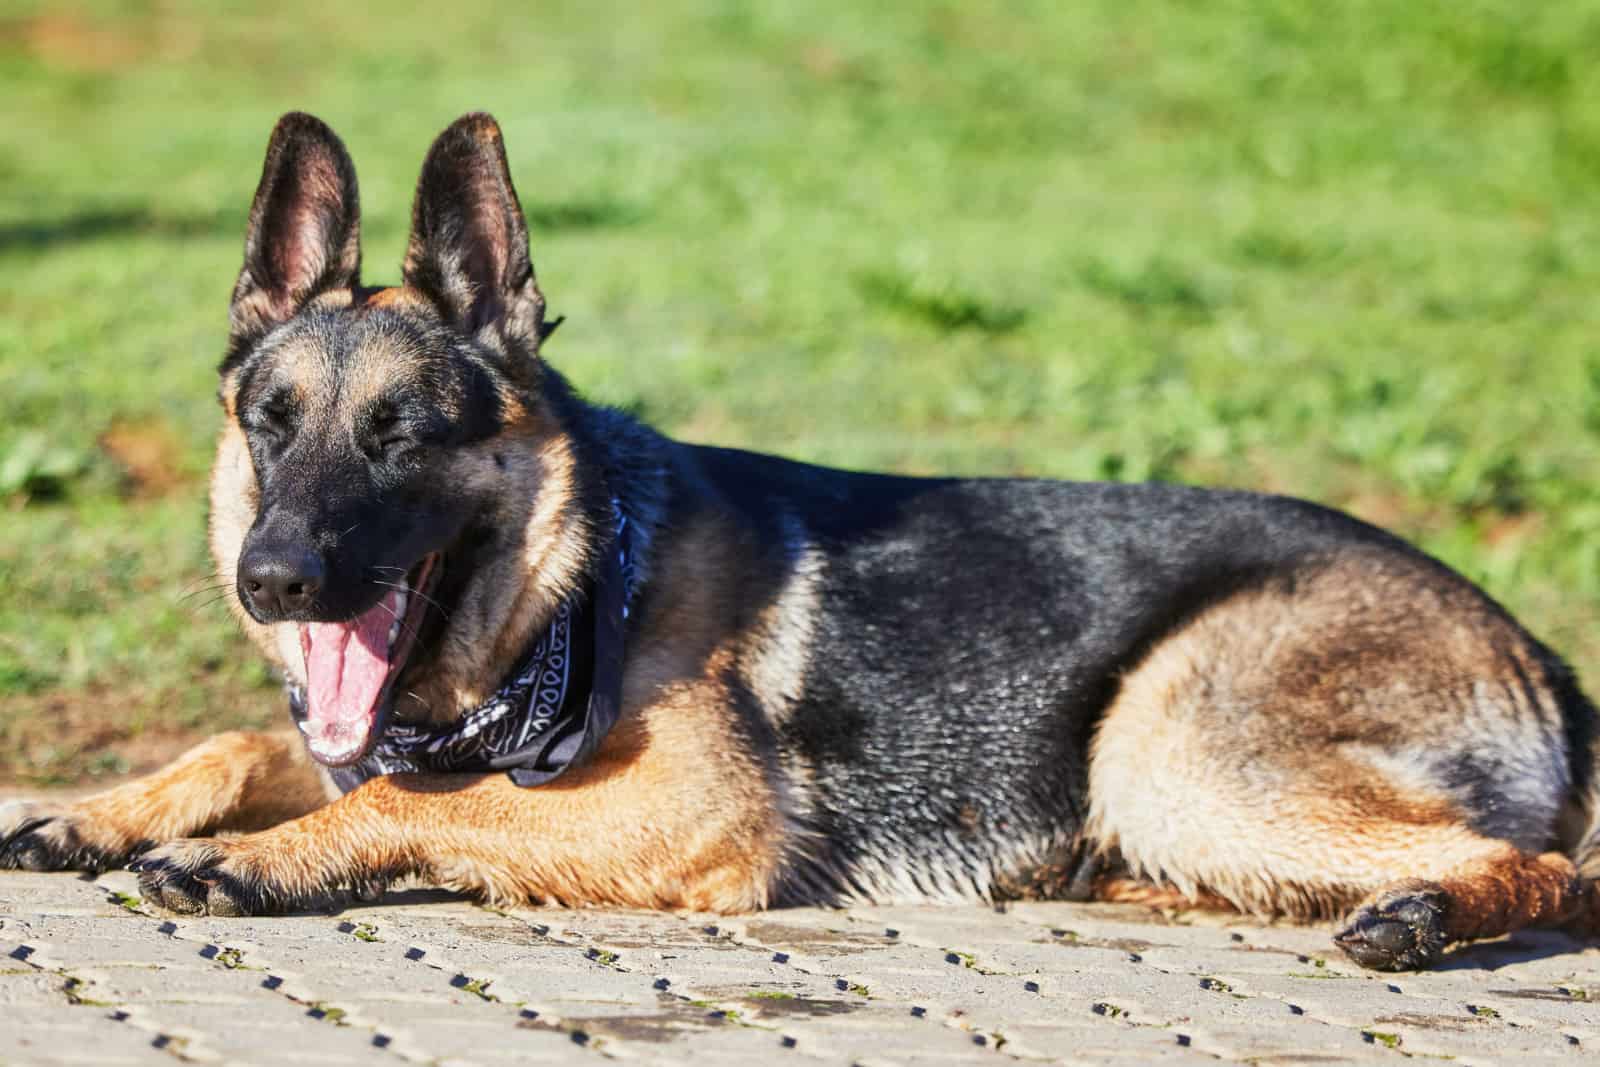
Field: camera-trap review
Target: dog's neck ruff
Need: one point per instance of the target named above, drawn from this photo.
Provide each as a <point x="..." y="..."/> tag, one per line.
<point x="553" y="712"/>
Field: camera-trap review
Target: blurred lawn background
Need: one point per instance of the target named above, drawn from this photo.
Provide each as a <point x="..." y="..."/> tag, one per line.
<point x="1352" y="255"/>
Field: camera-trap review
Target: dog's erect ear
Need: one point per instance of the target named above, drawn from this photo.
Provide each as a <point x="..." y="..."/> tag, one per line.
<point x="469" y="243"/>
<point x="304" y="236"/>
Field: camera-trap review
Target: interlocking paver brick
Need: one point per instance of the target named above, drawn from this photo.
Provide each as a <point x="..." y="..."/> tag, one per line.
<point x="72" y="1034"/>
<point x="87" y="975"/>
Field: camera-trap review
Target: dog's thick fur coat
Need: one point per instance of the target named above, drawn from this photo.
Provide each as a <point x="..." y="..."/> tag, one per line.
<point x="838" y="686"/>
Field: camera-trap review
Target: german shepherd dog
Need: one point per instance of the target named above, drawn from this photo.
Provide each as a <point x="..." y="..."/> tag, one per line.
<point x="770" y="683"/>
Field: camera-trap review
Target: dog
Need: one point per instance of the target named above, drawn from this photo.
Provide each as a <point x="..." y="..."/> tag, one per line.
<point x="537" y="651"/>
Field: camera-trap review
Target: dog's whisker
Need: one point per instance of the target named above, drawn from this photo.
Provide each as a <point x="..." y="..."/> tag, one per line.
<point x="207" y="587"/>
<point x="385" y="606"/>
<point x="416" y="593"/>
<point x="219" y="587"/>
<point x="215" y="576"/>
<point x="219" y="598"/>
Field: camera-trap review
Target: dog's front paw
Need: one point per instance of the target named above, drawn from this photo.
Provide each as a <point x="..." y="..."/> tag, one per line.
<point x="207" y="876"/>
<point x="258" y="874"/>
<point x="1402" y="930"/>
<point x="54" y="837"/>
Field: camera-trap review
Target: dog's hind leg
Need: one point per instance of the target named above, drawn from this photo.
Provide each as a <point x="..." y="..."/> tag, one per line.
<point x="240" y="780"/>
<point x="1303" y="758"/>
<point x="1405" y="926"/>
<point x="1417" y="876"/>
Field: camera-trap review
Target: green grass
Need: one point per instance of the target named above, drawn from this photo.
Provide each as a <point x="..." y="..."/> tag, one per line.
<point x="1378" y="1037"/>
<point x="1354" y="257"/>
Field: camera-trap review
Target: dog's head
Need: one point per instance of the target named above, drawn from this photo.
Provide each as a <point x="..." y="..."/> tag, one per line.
<point x="377" y="493"/>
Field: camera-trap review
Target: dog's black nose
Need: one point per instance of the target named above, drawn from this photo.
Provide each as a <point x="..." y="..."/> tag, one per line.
<point x="279" y="582"/>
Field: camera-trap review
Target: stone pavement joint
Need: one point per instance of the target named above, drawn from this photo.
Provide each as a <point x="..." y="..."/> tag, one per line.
<point x="90" y="974"/>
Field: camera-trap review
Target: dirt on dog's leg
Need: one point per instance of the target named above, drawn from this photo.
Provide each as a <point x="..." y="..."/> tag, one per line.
<point x="240" y="780"/>
<point x="658" y="820"/>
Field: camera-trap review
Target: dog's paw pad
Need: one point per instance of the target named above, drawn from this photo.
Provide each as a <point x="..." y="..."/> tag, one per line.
<point x="1401" y="931"/>
<point x="189" y="880"/>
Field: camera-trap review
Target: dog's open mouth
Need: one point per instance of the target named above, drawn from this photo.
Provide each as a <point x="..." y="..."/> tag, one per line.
<point x="351" y="667"/>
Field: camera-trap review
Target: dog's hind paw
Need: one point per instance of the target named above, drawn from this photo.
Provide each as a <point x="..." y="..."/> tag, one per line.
<point x="1402" y="930"/>
<point x="46" y="837"/>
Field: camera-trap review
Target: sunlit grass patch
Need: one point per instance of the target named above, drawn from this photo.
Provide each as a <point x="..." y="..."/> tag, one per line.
<point x="1253" y="244"/>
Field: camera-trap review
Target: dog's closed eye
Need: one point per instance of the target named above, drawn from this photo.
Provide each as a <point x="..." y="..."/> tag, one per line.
<point x="387" y="432"/>
<point x="274" y="418"/>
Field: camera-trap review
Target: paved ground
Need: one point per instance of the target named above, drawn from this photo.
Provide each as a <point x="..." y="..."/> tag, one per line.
<point x="89" y="974"/>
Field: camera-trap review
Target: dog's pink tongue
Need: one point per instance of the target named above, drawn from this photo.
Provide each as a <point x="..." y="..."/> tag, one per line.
<point x="346" y="666"/>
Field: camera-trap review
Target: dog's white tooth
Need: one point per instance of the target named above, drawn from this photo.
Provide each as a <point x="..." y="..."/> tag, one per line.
<point x="305" y="726"/>
<point x="394" y="631"/>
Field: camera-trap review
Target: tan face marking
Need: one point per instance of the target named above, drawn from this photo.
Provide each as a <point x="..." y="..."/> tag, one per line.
<point x="335" y="396"/>
<point x="332" y="300"/>
<point x="397" y="296"/>
<point x="305" y="366"/>
<point x="381" y="367"/>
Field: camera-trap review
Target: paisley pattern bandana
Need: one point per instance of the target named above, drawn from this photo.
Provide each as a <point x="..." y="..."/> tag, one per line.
<point x="553" y="712"/>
